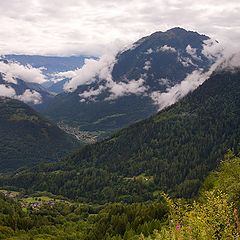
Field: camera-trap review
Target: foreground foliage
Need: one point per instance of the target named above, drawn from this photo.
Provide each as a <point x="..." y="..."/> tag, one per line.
<point x="213" y="216"/>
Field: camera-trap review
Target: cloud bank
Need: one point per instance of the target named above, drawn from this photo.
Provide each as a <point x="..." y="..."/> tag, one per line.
<point x="27" y="73"/>
<point x="88" y="26"/>
<point x="224" y="59"/>
<point x="99" y="72"/>
<point x="29" y="96"/>
<point x="11" y="72"/>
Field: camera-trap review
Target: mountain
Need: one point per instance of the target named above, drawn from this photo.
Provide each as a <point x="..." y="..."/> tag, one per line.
<point x="27" y="138"/>
<point x="153" y="64"/>
<point x="172" y="151"/>
<point x="50" y="65"/>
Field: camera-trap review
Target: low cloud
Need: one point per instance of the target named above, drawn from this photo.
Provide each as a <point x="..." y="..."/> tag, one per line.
<point x="185" y="61"/>
<point x="12" y="70"/>
<point x="167" y="48"/>
<point x="172" y="95"/>
<point x="92" y="93"/>
<point x="6" y="91"/>
<point x="91" y="71"/>
<point x="224" y="59"/>
<point x="147" y="65"/>
<point x="193" y="53"/>
<point x="121" y="89"/>
<point x="213" y="50"/>
<point x="30" y="96"/>
<point x="99" y="72"/>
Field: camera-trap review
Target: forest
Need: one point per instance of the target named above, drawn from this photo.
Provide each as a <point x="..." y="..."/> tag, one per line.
<point x="213" y="215"/>
<point x="172" y="151"/>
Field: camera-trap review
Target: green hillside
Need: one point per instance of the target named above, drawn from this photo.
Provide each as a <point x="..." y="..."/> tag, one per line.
<point x="26" y="138"/>
<point x="214" y="215"/>
<point x="172" y="151"/>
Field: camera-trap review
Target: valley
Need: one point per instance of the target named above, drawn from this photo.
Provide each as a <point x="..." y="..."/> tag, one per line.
<point x="119" y="120"/>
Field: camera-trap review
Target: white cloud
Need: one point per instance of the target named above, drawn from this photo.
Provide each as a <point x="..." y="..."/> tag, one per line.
<point x="90" y="94"/>
<point x="193" y="53"/>
<point x="185" y="61"/>
<point x="212" y="49"/>
<point x="167" y="48"/>
<point x="147" y="65"/>
<point x="6" y="91"/>
<point x="226" y="59"/>
<point x="172" y="95"/>
<point x="100" y="71"/>
<point x="121" y="89"/>
<point x="164" y="81"/>
<point x="27" y="73"/>
<point x="90" y="72"/>
<point x="149" y="51"/>
<point x="88" y="26"/>
<point x="30" y="96"/>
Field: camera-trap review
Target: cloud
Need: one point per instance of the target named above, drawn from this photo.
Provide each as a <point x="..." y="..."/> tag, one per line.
<point x="27" y="73"/>
<point x="121" y="89"/>
<point x="149" y="51"/>
<point x="6" y="91"/>
<point x="91" y="71"/>
<point x="30" y="96"/>
<point x="147" y="65"/>
<point x="99" y="72"/>
<point x="193" y="53"/>
<point x="167" y="48"/>
<point x="90" y="94"/>
<point x="213" y="50"/>
<point x="185" y="61"/>
<point x="224" y="59"/>
<point x="172" y="95"/>
<point x="89" y="26"/>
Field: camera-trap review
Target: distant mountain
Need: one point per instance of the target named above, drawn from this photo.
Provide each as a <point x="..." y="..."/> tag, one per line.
<point x="50" y="65"/>
<point x="26" y="138"/>
<point x="160" y="61"/>
<point x="172" y="151"/>
<point x="171" y="56"/>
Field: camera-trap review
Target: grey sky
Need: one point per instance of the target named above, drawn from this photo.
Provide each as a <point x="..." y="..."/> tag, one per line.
<point x="66" y="27"/>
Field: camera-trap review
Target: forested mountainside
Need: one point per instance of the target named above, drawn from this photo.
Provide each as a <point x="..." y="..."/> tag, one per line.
<point x="214" y="215"/>
<point x="172" y="151"/>
<point x="27" y="138"/>
<point x="160" y="61"/>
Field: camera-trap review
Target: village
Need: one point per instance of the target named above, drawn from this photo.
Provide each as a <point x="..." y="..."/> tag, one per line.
<point x="84" y="136"/>
<point x="31" y="202"/>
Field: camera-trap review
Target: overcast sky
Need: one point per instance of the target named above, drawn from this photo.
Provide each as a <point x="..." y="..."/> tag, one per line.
<point x="71" y="27"/>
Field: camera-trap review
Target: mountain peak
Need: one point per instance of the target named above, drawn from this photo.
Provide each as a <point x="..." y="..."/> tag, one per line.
<point x="177" y="29"/>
